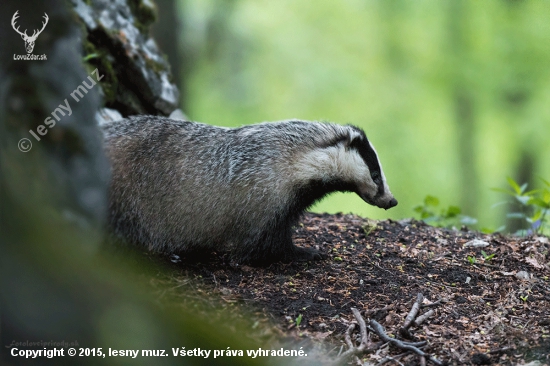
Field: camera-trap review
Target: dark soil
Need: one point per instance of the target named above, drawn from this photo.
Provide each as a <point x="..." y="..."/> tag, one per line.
<point x="492" y="311"/>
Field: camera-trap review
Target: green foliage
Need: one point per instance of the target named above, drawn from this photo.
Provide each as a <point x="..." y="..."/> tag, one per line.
<point x="432" y="214"/>
<point x="246" y="65"/>
<point x="487" y="257"/>
<point x="524" y="298"/>
<point x="369" y="228"/>
<point x="298" y="320"/>
<point x="90" y="56"/>
<point x="534" y="206"/>
<point x="471" y="259"/>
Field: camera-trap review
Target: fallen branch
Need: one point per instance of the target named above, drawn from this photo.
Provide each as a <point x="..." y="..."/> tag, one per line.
<point x="409" y="346"/>
<point x="394" y="359"/>
<point x="363" y="346"/>
<point x="414" y="312"/>
<point x="412" y="316"/>
<point x="368" y="313"/>
<point x="366" y="346"/>
<point x="422" y="318"/>
<point x="362" y="328"/>
<point x="435" y="303"/>
<point x="409" y="319"/>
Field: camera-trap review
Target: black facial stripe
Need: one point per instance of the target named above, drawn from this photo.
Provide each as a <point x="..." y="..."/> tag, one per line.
<point x="366" y="151"/>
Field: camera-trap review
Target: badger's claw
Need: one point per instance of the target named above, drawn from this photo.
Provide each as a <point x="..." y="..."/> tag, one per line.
<point x="307" y="255"/>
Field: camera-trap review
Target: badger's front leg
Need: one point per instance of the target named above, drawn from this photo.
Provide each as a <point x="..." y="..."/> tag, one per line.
<point x="275" y="245"/>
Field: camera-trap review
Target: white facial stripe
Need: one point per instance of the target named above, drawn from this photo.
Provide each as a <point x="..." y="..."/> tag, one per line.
<point x="336" y="162"/>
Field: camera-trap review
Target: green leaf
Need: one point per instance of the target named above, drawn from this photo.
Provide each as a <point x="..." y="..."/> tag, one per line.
<point x="523" y="199"/>
<point x="539" y="202"/>
<point x="90" y="56"/>
<point x="298" y="320"/>
<point x="499" y="204"/>
<point x="515" y="215"/>
<point x="514" y="185"/>
<point x="502" y="190"/>
<point x="467" y="220"/>
<point x="486" y="230"/>
<point x="536" y="216"/>
<point x="431" y="201"/>
<point x="531" y="192"/>
<point x="523" y="187"/>
<point x="500" y="228"/>
<point x="453" y="211"/>
<point x="430" y="220"/>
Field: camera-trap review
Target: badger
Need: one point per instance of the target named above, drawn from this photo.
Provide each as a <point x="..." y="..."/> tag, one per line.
<point x="182" y="186"/>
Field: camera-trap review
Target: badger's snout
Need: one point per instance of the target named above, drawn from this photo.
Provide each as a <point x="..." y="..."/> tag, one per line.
<point x="383" y="203"/>
<point x="391" y="203"/>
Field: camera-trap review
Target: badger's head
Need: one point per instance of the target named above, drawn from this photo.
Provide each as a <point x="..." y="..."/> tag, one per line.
<point x="358" y="163"/>
<point x="345" y="160"/>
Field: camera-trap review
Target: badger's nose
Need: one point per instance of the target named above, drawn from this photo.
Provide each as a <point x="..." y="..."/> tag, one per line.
<point x="392" y="203"/>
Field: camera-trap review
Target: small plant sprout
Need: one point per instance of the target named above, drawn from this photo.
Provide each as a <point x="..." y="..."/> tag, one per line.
<point x="534" y="206"/>
<point x="448" y="217"/>
<point x="90" y="57"/>
<point x="298" y="320"/>
<point x="471" y="259"/>
<point x="524" y="298"/>
<point x="487" y="257"/>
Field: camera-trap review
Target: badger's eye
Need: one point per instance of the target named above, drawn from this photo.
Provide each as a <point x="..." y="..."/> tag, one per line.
<point x="375" y="177"/>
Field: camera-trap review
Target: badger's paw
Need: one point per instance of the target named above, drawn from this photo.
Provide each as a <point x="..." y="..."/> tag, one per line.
<point x="307" y="254"/>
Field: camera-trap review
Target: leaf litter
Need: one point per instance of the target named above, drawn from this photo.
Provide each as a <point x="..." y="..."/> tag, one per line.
<point x="486" y="308"/>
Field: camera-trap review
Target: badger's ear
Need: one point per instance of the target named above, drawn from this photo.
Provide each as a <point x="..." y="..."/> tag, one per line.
<point x="353" y="139"/>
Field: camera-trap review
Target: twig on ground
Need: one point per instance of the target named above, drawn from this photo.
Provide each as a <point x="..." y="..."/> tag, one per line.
<point x="362" y="348"/>
<point x="412" y="316"/>
<point x="394" y="359"/>
<point x="422" y="318"/>
<point x="366" y="345"/>
<point x="502" y="350"/>
<point x="368" y="313"/>
<point x="422" y="361"/>
<point x="362" y="328"/>
<point x="414" y="312"/>
<point x="347" y="337"/>
<point x="381" y="333"/>
<point x="409" y="320"/>
<point x="435" y="303"/>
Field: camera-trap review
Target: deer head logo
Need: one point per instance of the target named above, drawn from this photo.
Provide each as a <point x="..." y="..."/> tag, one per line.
<point x="29" y="40"/>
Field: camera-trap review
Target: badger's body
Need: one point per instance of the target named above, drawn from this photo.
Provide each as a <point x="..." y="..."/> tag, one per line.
<point x="183" y="186"/>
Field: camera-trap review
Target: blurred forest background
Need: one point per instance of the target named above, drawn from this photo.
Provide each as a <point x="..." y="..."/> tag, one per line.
<point x="453" y="94"/>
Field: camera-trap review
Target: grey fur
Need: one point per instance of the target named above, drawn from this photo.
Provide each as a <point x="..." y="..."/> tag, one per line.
<point x="180" y="185"/>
